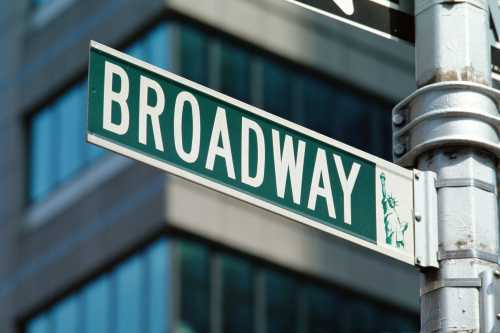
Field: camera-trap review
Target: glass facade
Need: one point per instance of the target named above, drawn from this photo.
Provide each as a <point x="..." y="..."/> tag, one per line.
<point x="237" y="308"/>
<point x="195" y="287"/>
<point x="217" y="293"/>
<point x="41" y="3"/>
<point x="132" y="297"/>
<point x="321" y="105"/>
<point x="57" y="147"/>
<point x="282" y="302"/>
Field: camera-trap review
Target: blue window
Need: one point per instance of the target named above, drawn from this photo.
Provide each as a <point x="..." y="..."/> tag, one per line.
<point x="320" y="108"/>
<point x="70" y="114"/>
<point x="130" y="287"/>
<point x="40" y="324"/>
<point x="43" y="166"/>
<point x="134" y="297"/>
<point x="157" y="287"/>
<point x="282" y="303"/>
<point x="237" y="295"/>
<point x="130" y="298"/>
<point x="41" y="3"/>
<point x="66" y="315"/>
<point x="58" y="150"/>
<point x="336" y="111"/>
<point x="97" y="306"/>
<point x="195" y="288"/>
<point x="362" y="316"/>
<point x="194" y="55"/>
<point x="235" y="72"/>
<point x="324" y="310"/>
<point x="92" y="152"/>
<point x="156" y="46"/>
<point x="277" y="89"/>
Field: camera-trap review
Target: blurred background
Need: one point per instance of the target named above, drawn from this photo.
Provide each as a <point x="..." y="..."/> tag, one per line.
<point x="91" y="242"/>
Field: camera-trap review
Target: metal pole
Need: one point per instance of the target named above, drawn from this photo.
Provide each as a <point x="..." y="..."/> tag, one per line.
<point x="451" y="127"/>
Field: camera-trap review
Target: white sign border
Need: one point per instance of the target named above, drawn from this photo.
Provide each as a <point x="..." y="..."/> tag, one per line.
<point x="108" y="144"/>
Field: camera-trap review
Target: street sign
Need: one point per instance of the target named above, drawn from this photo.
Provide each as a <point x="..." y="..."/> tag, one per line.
<point x="169" y="122"/>
<point x="387" y="18"/>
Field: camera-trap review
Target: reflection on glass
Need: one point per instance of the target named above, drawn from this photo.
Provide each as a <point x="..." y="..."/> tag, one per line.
<point x="235" y="72"/>
<point x="41" y="3"/>
<point x="363" y="316"/>
<point x="396" y="322"/>
<point x="130" y="285"/>
<point x="40" y="324"/>
<point x="237" y="295"/>
<point x="354" y="116"/>
<point x="157" y="46"/>
<point x="194" y="55"/>
<point x="132" y="298"/>
<point x="66" y="315"/>
<point x="282" y="303"/>
<point x="277" y="87"/>
<point x="320" y="113"/>
<point x="57" y="138"/>
<point x="381" y="143"/>
<point x="358" y="120"/>
<point x="195" y="288"/>
<point x="71" y="120"/>
<point x="43" y="167"/>
<point x="97" y="306"/>
<point x="158" y="281"/>
<point x="324" y="310"/>
<point x="138" y="50"/>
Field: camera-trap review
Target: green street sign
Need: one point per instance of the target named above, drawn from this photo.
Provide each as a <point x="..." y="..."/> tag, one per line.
<point x="169" y="122"/>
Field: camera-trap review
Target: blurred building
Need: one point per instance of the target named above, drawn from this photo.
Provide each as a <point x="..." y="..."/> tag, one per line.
<point x="92" y="242"/>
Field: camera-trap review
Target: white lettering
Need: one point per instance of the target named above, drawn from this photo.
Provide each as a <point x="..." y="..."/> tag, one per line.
<point x="321" y="173"/>
<point x="120" y="97"/>
<point x="347" y="184"/>
<point x="248" y="125"/>
<point x="285" y="163"/>
<point x="182" y="98"/>
<point x="220" y="131"/>
<point x="153" y="112"/>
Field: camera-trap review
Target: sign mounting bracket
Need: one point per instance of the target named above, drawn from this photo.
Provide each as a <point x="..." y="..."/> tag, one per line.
<point x="426" y="217"/>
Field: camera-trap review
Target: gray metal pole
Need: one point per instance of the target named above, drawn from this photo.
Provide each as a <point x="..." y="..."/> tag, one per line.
<point x="451" y="127"/>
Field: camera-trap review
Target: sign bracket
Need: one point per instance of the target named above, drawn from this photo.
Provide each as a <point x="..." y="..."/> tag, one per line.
<point x="489" y="301"/>
<point x="426" y="217"/>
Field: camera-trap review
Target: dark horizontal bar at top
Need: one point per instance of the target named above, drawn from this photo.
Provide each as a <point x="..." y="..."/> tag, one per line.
<point x="373" y="15"/>
<point x="495" y="60"/>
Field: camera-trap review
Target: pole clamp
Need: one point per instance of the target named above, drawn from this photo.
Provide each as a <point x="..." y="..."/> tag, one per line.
<point x="468" y="254"/>
<point x="466" y="182"/>
<point x="451" y="283"/>
<point x="443" y="114"/>
<point x="489" y="296"/>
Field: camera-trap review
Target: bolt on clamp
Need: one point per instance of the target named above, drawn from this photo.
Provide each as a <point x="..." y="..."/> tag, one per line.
<point x="453" y="113"/>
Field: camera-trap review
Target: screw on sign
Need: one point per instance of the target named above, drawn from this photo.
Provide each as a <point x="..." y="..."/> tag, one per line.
<point x="189" y="130"/>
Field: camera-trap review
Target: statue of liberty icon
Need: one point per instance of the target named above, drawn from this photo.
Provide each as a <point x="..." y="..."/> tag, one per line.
<point x="394" y="228"/>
